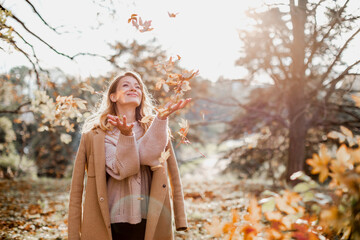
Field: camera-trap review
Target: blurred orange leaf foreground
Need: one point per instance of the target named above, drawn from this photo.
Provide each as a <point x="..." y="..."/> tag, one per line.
<point x="319" y="163"/>
<point x="139" y="24"/>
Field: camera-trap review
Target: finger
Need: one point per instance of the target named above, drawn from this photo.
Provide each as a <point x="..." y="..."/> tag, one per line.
<point x="184" y="103"/>
<point x="110" y="116"/>
<point x="124" y="120"/>
<point x="176" y="106"/>
<point x="118" y="121"/>
<point x="112" y="122"/>
<point x="168" y="104"/>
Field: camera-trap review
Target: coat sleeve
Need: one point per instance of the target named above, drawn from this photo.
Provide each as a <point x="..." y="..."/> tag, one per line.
<point x="76" y="192"/>
<point x="153" y="142"/>
<point x="177" y="191"/>
<point x="122" y="160"/>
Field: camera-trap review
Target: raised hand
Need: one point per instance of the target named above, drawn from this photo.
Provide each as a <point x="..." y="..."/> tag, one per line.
<point x="172" y="107"/>
<point x="125" y="129"/>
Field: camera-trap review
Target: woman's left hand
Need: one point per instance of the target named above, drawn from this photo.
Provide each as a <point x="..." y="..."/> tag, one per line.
<point x="172" y="107"/>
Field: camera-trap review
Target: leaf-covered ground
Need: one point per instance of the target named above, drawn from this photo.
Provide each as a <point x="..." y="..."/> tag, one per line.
<point x="37" y="209"/>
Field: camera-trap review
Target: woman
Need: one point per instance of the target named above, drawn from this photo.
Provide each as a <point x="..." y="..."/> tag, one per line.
<point x="127" y="193"/>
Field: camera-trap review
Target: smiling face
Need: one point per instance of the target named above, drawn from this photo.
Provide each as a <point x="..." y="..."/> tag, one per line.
<point x="128" y="91"/>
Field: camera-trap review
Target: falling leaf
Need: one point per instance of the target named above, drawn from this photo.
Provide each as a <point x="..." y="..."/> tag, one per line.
<point x="184" y="129"/>
<point x="87" y="87"/>
<point x="142" y="26"/>
<point x="172" y="15"/>
<point x="133" y="17"/>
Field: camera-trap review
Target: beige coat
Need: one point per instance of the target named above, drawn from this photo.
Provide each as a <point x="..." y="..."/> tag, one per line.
<point x="93" y="220"/>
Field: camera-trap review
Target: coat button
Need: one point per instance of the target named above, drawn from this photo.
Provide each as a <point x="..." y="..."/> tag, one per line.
<point x="101" y="199"/>
<point x="164" y="185"/>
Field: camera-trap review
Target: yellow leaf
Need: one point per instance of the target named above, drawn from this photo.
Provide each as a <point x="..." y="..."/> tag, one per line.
<point x="344" y="157"/>
<point x="336" y="135"/>
<point x="164" y="156"/>
<point x="346" y="131"/>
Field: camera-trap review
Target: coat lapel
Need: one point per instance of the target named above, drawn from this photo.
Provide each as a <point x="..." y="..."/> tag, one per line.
<point x="100" y="173"/>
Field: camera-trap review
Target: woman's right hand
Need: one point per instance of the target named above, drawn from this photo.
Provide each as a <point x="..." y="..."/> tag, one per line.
<point x="124" y="128"/>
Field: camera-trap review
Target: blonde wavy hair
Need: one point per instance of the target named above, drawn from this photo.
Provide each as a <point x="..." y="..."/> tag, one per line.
<point x="98" y="117"/>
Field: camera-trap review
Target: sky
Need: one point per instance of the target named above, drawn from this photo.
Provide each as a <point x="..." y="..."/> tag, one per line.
<point x="204" y="33"/>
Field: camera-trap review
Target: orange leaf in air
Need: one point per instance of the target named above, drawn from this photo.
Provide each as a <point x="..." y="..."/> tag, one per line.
<point x="172" y="15"/>
<point x="140" y="25"/>
<point x="133" y="17"/>
<point x="184" y="129"/>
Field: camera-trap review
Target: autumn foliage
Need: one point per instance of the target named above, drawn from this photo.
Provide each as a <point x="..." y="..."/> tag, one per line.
<point x="310" y="210"/>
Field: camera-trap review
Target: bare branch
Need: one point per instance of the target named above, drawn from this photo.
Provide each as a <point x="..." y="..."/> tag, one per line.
<point x="39" y="15"/>
<point x="316" y="45"/>
<point x="47" y="44"/>
<point x="30" y="60"/>
<point x="17" y="110"/>
<point x="339" y="78"/>
<point x="339" y="55"/>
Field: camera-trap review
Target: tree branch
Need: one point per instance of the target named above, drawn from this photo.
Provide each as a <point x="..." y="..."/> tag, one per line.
<point x="39" y="15"/>
<point x="339" y="54"/>
<point x="30" y="60"/>
<point x="316" y="45"/>
<point x="47" y="44"/>
<point x="336" y="80"/>
<point x="17" y="110"/>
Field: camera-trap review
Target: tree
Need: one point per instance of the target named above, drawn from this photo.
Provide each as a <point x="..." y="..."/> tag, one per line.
<point x="304" y="57"/>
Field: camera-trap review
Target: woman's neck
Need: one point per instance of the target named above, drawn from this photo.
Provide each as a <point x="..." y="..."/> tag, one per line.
<point x="129" y="112"/>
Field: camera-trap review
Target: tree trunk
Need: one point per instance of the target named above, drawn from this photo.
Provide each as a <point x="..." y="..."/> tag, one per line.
<point x="296" y="99"/>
